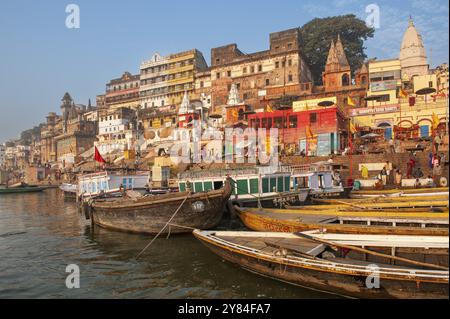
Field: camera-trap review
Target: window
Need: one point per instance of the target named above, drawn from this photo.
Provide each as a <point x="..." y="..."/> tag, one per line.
<point x="283" y="64"/>
<point x="290" y="78"/>
<point x="277" y="123"/>
<point x="202" y="84"/>
<point x="246" y="96"/>
<point x="277" y="65"/>
<point x="162" y="121"/>
<point x="229" y="73"/>
<point x="289" y="45"/>
<point x="430" y="84"/>
<point x="244" y="70"/>
<point x="267" y="82"/>
<point x="162" y="103"/>
<point x="174" y="120"/>
<point x="260" y="68"/>
<point x="289" y="62"/>
<point x="345" y="80"/>
<point x="218" y="75"/>
<point x="312" y="117"/>
<point x="252" y="69"/>
<point x="293" y="121"/>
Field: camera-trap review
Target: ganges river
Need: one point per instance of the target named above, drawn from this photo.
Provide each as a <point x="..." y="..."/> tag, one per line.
<point x="41" y="234"/>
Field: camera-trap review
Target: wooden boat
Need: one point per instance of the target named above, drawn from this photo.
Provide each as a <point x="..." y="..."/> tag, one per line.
<point x="150" y="214"/>
<point x="393" y="205"/>
<point x="260" y="220"/>
<point x="407" y="266"/>
<point x="110" y="183"/>
<point x="22" y="189"/>
<point x="376" y="200"/>
<point x="264" y="186"/>
<point x="443" y="214"/>
<point x="408" y="192"/>
<point x="69" y="190"/>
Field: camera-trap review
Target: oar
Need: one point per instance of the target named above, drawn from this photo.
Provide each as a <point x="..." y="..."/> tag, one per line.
<point x="370" y="252"/>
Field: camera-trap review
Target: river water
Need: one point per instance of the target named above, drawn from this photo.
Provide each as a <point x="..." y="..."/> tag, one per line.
<point x="40" y="234"/>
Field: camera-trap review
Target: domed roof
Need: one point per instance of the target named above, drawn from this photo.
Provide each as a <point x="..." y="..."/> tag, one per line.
<point x="411" y="38"/>
<point x="413" y="57"/>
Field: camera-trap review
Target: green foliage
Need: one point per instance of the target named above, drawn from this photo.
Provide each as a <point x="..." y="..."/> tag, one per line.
<point x="318" y="34"/>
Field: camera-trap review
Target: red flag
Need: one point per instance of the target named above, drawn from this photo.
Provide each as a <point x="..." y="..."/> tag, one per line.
<point x="98" y="157"/>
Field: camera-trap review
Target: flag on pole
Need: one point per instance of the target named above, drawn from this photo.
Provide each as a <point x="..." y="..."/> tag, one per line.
<point x="97" y="156"/>
<point x="352" y="128"/>
<point x="402" y="93"/>
<point x="350" y="101"/>
<point x="435" y="121"/>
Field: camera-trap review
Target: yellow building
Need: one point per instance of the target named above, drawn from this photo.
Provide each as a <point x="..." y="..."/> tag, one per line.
<point x="165" y="79"/>
<point x="414" y="120"/>
<point x="385" y="80"/>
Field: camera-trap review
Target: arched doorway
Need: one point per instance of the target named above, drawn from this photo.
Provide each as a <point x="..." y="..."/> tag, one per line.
<point x="387" y="130"/>
<point x="345" y="80"/>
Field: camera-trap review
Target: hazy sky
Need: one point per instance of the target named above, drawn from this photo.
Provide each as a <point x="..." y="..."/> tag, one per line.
<point x="41" y="59"/>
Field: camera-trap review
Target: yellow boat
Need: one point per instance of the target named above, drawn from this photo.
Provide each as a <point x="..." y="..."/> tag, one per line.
<point x="370" y="200"/>
<point x="407" y="192"/>
<point x="353" y="213"/>
<point x="403" y="205"/>
<point x="273" y="220"/>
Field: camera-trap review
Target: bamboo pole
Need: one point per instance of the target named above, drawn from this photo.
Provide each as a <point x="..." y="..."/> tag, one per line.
<point x="370" y="252"/>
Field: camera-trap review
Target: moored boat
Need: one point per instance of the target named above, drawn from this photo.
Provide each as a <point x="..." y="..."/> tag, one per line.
<point x="407" y="192"/>
<point x="69" y="190"/>
<point x="441" y="213"/>
<point x="21" y="189"/>
<point x="263" y="186"/>
<point x="263" y="221"/>
<point x="404" y="267"/>
<point x="182" y="211"/>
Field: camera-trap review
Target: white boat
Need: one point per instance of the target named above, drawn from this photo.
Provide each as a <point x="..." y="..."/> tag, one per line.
<point x="106" y="182"/>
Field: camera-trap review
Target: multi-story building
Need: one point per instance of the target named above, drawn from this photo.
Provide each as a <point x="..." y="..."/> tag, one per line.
<point x="51" y="129"/>
<point x="101" y="101"/>
<point x="2" y="155"/>
<point x="116" y="130"/>
<point x="203" y="88"/>
<point x="385" y="81"/>
<point x="123" y="92"/>
<point x="260" y="76"/>
<point x="78" y="134"/>
<point x="165" y="79"/>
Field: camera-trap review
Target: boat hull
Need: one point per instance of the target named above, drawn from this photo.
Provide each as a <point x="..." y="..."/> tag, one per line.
<point x="264" y="223"/>
<point x="323" y="277"/>
<point x="279" y="200"/>
<point x="20" y="190"/>
<point x="200" y="210"/>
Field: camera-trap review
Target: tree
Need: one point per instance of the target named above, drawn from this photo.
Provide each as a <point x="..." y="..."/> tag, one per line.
<point x="317" y="36"/>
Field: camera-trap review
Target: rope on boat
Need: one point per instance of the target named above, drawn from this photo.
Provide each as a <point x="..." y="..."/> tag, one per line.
<point x="162" y="229"/>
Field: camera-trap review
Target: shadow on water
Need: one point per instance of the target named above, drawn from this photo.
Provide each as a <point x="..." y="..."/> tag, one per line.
<point x="47" y="234"/>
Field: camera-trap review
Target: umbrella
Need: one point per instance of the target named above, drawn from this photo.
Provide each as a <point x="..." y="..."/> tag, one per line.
<point x="215" y="116"/>
<point x="425" y="91"/>
<point x="370" y="135"/>
<point x="326" y="103"/>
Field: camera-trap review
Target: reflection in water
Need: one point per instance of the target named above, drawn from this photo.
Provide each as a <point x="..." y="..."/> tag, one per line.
<point x="40" y="234"/>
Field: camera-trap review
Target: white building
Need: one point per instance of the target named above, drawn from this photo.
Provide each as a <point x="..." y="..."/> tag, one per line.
<point x="116" y="132"/>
